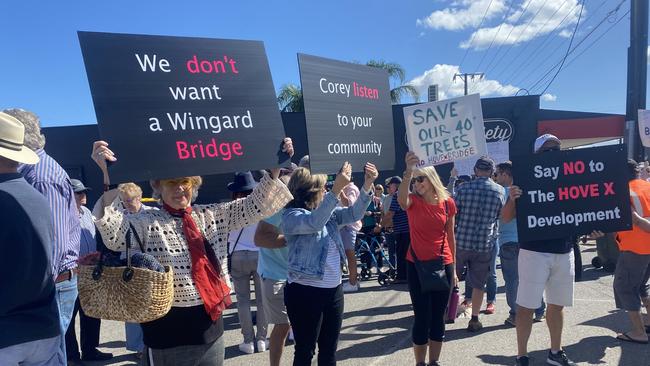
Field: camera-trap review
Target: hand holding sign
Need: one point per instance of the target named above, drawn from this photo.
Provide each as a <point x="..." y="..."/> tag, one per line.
<point x="287" y="148"/>
<point x="515" y="192"/>
<point x="411" y="161"/>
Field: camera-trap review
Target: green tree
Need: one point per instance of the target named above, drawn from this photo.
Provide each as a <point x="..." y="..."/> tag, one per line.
<point x="290" y="98"/>
<point x="397" y="76"/>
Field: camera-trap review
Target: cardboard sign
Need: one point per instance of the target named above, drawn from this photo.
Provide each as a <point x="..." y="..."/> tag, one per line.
<point x="348" y="114"/>
<point x="498" y="151"/>
<point x="176" y="106"/>
<point x="446" y="131"/>
<point x="572" y="192"/>
<point x="644" y="127"/>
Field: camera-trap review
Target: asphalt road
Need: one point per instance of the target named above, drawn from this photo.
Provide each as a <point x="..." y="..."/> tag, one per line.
<point x="377" y="322"/>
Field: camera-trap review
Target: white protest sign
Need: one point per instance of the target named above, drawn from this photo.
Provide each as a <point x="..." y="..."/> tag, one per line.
<point x="644" y="127"/>
<point x="447" y="130"/>
<point x="497" y="151"/>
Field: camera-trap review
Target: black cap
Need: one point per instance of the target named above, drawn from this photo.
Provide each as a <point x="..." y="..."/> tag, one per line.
<point x="393" y="180"/>
<point x="484" y="163"/>
<point x="78" y="186"/>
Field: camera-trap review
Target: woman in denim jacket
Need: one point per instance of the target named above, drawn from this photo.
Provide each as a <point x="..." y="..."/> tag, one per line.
<point x="314" y="295"/>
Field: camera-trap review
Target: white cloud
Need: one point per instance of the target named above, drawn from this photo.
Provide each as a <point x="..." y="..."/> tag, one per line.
<point x="548" y="97"/>
<point x="565" y="33"/>
<point x="530" y="19"/>
<point x="462" y="14"/>
<point x="443" y="74"/>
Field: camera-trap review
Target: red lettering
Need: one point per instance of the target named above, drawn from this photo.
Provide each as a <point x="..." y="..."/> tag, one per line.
<point x="213" y="145"/>
<point x="193" y="65"/>
<point x="205" y="69"/>
<point x="563" y="193"/>
<point x="181" y="147"/>
<point x="593" y="190"/>
<point x="609" y="189"/>
<point x="574" y="167"/>
<point x="236" y="148"/>
<point x="224" y="149"/>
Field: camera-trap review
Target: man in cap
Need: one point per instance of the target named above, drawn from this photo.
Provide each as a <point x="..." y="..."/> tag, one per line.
<point x="544" y="265"/>
<point x="28" y="311"/>
<point x="479" y="205"/>
<point x="88" y="326"/>
<point x="49" y="178"/>
<point x="386" y="223"/>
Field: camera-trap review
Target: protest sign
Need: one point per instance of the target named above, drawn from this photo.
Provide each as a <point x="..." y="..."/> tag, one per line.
<point x="644" y="127"/>
<point x="497" y="151"/>
<point x="177" y="106"/>
<point x="446" y="131"/>
<point x="348" y="114"/>
<point x="572" y="192"/>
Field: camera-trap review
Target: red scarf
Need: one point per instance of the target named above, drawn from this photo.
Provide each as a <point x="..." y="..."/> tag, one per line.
<point x="212" y="288"/>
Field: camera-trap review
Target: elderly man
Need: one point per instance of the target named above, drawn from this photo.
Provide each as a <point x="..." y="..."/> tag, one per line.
<point x="28" y="311"/>
<point x="89" y="326"/>
<point x="49" y="178"/>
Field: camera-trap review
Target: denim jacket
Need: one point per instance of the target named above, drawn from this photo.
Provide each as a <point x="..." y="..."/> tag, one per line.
<point x="306" y="233"/>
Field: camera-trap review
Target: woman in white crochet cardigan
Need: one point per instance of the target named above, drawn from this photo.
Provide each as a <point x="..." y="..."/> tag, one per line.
<point x="192" y="240"/>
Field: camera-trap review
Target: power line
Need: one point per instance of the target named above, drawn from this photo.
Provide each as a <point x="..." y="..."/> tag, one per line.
<point x="505" y="17"/>
<point x="508" y="36"/>
<point x="523" y="49"/>
<point x="470" y="41"/>
<point x="575" y="30"/>
<point x="546" y="59"/>
<point x="608" y="15"/>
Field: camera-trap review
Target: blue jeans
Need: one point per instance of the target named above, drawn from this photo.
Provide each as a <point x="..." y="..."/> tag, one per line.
<point x="43" y="352"/>
<point x="66" y="296"/>
<point x="134" y="341"/>
<point x="491" y="286"/>
<point x="509" y="254"/>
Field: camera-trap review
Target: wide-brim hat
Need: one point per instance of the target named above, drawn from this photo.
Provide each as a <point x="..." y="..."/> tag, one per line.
<point x="12" y="141"/>
<point x="242" y="182"/>
<point x="78" y="186"/>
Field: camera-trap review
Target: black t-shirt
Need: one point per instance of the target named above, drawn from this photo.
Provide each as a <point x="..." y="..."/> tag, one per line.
<point x="555" y="246"/>
<point x="182" y="327"/>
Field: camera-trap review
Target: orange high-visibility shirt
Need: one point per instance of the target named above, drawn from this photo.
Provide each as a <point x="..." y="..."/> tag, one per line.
<point x="637" y="240"/>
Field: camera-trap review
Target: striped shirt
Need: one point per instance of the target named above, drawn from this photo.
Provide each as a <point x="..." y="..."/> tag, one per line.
<point x="88" y="244"/>
<point x="332" y="270"/>
<point x="400" y="220"/>
<point x="49" y="178"/>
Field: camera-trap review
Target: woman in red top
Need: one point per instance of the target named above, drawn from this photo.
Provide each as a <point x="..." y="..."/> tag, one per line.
<point x="431" y="214"/>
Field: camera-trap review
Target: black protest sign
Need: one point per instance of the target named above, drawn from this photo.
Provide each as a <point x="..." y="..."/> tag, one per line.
<point x="177" y="106"/>
<point x="348" y="114"/>
<point x="572" y="192"/>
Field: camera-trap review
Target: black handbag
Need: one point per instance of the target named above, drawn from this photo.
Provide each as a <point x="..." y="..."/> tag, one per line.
<point x="431" y="273"/>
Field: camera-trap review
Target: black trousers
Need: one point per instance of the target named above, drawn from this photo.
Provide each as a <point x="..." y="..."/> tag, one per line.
<point x="403" y="241"/>
<point x="428" y="308"/>
<point x="89" y="334"/>
<point x="316" y="315"/>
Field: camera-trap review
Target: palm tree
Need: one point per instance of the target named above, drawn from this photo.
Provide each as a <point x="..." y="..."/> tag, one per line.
<point x="396" y="73"/>
<point x="290" y="98"/>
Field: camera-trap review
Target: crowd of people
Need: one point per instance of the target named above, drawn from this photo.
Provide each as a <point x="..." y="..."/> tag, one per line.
<point x="291" y="233"/>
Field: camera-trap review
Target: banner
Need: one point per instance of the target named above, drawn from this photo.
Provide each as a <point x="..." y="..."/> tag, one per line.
<point x="446" y="131"/>
<point x="644" y="127"/>
<point x="177" y="106"/>
<point x="572" y="192"/>
<point x="348" y="114"/>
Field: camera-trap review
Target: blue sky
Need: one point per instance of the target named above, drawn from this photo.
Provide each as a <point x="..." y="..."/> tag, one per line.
<point x="42" y="67"/>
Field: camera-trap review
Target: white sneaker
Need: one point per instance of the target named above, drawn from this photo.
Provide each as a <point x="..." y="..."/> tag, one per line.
<point x="247" y="348"/>
<point x="348" y="287"/>
<point x="262" y="345"/>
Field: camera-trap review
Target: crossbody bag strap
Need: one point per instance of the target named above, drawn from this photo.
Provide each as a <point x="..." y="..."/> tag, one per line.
<point x="444" y="238"/>
<point x="236" y="241"/>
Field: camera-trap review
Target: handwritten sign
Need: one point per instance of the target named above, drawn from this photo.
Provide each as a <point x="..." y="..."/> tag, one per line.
<point x="176" y="106"/>
<point x="644" y="127"/>
<point x="446" y="131"/>
<point x="348" y="114"/>
<point x="572" y="192"/>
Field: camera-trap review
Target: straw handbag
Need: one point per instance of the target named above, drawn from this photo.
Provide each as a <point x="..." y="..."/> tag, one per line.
<point x="127" y="294"/>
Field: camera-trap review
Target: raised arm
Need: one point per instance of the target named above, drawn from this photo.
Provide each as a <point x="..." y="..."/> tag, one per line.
<point x="115" y="223"/>
<point x="356" y="212"/>
<point x="405" y="187"/>
<point x="268" y="236"/>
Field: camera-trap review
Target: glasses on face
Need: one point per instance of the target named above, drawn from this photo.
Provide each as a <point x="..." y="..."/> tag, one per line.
<point x="133" y="199"/>
<point x="419" y="179"/>
<point x="185" y="183"/>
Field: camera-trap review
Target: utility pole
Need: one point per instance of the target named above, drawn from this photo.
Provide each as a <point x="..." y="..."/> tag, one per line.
<point x="464" y="76"/>
<point x="637" y="60"/>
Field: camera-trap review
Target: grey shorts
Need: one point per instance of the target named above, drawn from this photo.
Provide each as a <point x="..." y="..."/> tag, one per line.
<point x="630" y="279"/>
<point x="478" y="266"/>
<point x="273" y="298"/>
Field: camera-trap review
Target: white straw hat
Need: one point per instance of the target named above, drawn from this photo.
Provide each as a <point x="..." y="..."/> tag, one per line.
<point x="12" y="138"/>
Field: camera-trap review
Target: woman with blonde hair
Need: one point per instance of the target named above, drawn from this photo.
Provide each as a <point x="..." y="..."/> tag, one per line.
<point x="314" y="295"/>
<point x="192" y="240"/>
<point x="431" y="214"/>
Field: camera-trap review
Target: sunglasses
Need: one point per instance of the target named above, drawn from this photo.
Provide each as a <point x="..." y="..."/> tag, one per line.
<point x="419" y="179"/>
<point x="184" y="182"/>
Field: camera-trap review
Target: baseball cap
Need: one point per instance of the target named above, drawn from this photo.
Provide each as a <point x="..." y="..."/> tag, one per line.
<point x="484" y="163"/>
<point x="78" y="186"/>
<point x="393" y="180"/>
<point x="540" y="141"/>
